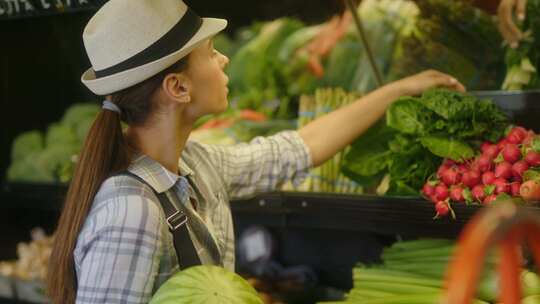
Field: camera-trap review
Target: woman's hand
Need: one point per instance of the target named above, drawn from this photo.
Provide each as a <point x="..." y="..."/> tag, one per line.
<point x="331" y="133"/>
<point x="507" y="27"/>
<point x="417" y="84"/>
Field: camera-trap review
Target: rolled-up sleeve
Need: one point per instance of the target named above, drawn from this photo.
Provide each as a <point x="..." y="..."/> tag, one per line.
<point x="117" y="257"/>
<point x="262" y="165"/>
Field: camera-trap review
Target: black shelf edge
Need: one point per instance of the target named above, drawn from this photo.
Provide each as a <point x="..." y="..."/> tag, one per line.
<point x="378" y="214"/>
<point x="386" y="215"/>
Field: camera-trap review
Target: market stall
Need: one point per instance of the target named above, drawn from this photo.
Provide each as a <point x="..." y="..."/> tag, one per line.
<point x="354" y="229"/>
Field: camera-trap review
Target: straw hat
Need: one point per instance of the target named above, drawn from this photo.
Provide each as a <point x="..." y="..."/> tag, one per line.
<point x="129" y="41"/>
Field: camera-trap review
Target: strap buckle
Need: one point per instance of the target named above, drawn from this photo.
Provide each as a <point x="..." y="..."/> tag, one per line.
<point x="176" y="220"/>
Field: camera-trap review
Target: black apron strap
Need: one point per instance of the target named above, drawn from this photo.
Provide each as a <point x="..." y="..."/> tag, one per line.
<point x="177" y="222"/>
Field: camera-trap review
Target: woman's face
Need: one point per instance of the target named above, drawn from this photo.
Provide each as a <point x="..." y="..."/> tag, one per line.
<point x="208" y="81"/>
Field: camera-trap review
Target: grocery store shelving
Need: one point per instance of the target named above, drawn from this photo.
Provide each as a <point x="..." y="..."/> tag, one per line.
<point x="368" y="213"/>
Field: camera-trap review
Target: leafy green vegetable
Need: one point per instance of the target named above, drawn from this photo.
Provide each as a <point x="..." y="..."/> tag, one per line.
<point x="523" y="62"/>
<point x="59" y="134"/>
<point x="79" y="112"/>
<point x="28" y="170"/>
<point x="50" y="158"/>
<point x="254" y="70"/>
<point x="25" y="144"/>
<point x="206" y="284"/>
<point x="453" y="37"/>
<point x="408" y="116"/>
<point x="447" y="148"/>
<point x="342" y="64"/>
<point x="417" y="134"/>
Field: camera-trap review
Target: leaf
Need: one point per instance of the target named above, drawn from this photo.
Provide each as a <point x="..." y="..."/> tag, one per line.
<point x="369" y="163"/>
<point x="401" y="188"/>
<point x="450" y="105"/>
<point x="447" y="148"/>
<point x="407" y="115"/>
<point x="402" y="144"/>
<point x="369" y="154"/>
<point x="378" y="135"/>
<point x="488" y="190"/>
<point x="414" y="167"/>
<point x="467" y="195"/>
<point x="536" y="144"/>
<point x="365" y="181"/>
<point x="531" y="174"/>
<point x="503" y="197"/>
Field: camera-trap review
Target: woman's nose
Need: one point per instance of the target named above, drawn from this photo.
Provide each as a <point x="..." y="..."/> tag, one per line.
<point x="225" y="60"/>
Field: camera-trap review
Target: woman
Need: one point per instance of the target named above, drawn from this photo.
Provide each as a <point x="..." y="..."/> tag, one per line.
<point x="155" y="61"/>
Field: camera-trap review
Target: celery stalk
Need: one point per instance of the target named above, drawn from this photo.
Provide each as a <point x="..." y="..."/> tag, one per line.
<point x="361" y="275"/>
<point x="397" y="288"/>
<point x="425" y="298"/>
<point x="419" y="244"/>
<point x="443" y="251"/>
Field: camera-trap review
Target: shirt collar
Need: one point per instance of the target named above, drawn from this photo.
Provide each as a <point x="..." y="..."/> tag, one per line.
<point x="157" y="176"/>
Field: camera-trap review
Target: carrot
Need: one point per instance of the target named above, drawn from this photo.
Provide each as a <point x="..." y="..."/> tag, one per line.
<point x="247" y="114"/>
<point x="316" y="66"/>
<point x="530" y="190"/>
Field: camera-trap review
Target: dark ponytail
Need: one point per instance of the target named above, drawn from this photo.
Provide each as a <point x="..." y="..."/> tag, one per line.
<point x="104" y="152"/>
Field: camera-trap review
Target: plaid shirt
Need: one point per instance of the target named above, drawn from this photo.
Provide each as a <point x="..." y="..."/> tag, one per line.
<point x="125" y="252"/>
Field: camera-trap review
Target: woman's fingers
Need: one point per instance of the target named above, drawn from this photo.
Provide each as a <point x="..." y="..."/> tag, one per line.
<point x="444" y="80"/>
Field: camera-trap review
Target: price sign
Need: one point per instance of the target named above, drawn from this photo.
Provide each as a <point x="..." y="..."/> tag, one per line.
<point x="28" y="8"/>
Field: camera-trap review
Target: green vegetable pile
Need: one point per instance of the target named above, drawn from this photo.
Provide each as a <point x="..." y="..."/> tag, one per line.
<point x="254" y="70"/>
<point x="522" y="62"/>
<point x="413" y="272"/>
<point x="50" y="157"/>
<point x="206" y="285"/>
<point x="269" y="69"/>
<point x="453" y="37"/>
<point x="402" y="151"/>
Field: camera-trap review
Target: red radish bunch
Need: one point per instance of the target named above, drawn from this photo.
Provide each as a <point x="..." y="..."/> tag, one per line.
<point x="511" y="167"/>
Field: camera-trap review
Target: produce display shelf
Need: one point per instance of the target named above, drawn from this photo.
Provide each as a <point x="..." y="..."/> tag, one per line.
<point x="408" y="216"/>
<point x="368" y="213"/>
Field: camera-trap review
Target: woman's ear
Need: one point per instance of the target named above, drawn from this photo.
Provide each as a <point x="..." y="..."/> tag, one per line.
<point x="177" y="87"/>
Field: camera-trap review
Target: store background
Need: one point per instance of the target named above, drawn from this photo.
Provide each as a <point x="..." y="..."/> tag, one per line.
<point x="41" y="60"/>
